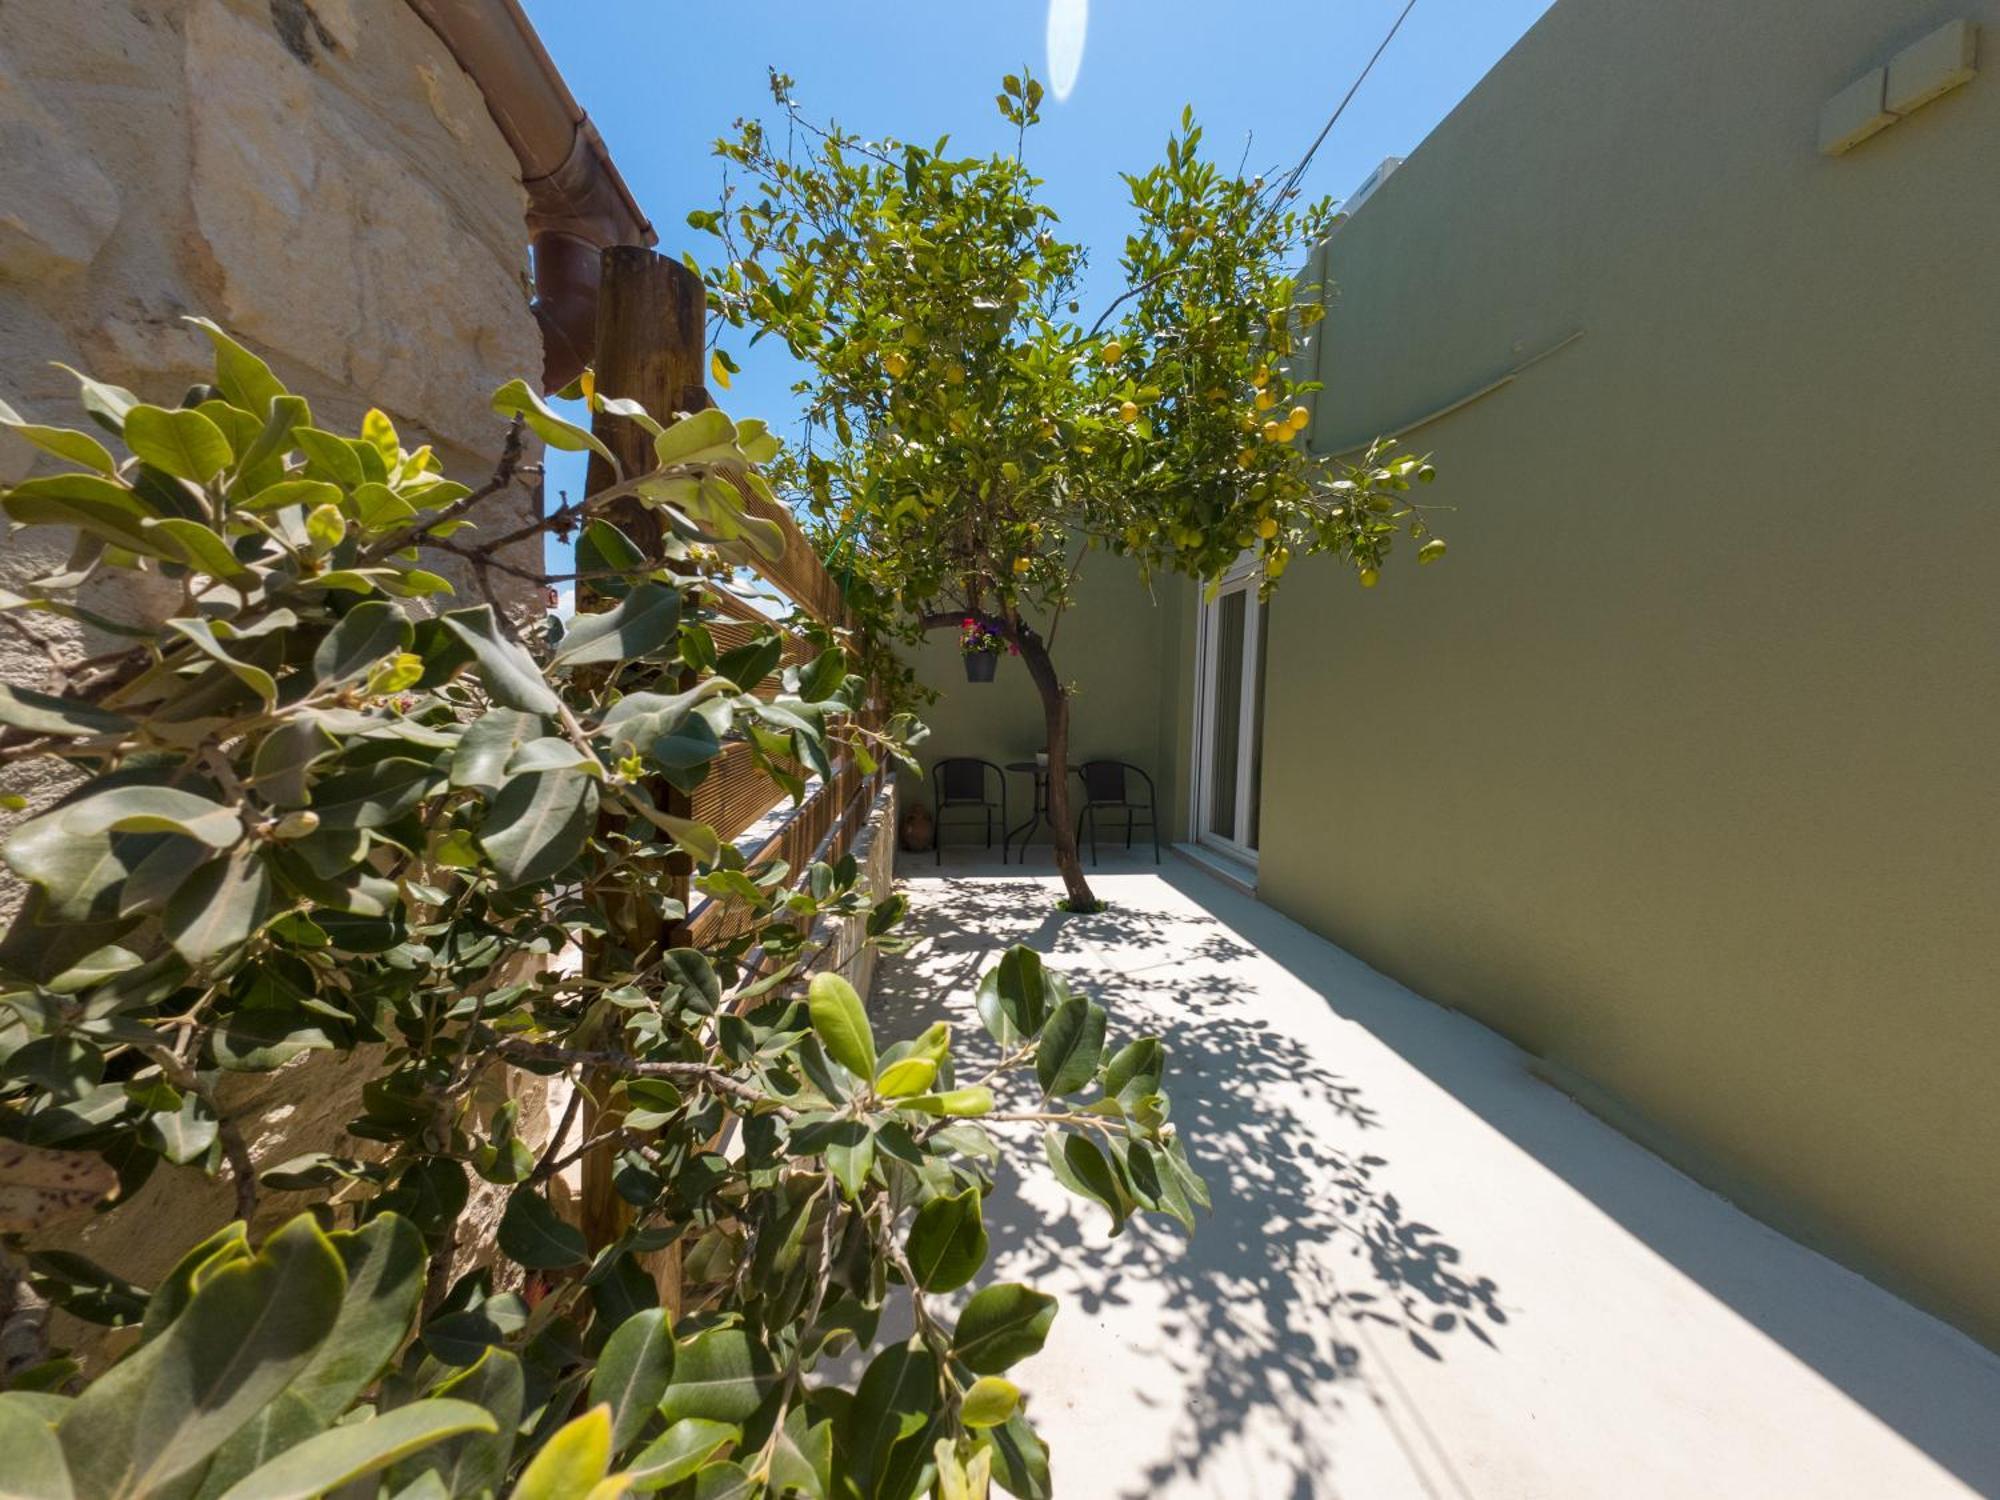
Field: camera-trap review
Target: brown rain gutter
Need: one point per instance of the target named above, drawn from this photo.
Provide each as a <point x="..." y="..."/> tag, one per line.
<point x="578" y="205"/>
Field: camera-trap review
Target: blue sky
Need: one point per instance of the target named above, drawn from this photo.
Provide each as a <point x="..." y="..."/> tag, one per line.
<point x="662" y="79"/>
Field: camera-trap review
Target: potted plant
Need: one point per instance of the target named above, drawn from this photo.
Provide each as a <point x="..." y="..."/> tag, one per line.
<point x="981" y="648"/>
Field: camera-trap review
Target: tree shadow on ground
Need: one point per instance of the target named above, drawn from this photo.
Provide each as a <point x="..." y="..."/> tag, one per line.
<point x="1267" y="1317"/>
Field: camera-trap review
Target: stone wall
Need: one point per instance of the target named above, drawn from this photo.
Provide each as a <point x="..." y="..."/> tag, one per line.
<point x="321" y="178"/>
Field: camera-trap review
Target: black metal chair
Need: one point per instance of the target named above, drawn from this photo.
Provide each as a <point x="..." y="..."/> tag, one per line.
<point x="1107" y="784"/>
<point x="960" y="781"/>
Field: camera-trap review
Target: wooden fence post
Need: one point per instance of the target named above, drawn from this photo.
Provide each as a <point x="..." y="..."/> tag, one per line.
<point x="651" y="330"/>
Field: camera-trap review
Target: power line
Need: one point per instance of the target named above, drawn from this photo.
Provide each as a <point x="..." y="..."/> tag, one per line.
<point x="1292" y="177"/>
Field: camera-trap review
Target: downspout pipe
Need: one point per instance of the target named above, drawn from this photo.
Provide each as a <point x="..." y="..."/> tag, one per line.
<point x="578" y="204"/>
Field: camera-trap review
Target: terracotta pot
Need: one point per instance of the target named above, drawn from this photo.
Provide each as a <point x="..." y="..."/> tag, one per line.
<point x="918" y="828"/>
<point x="981" y="665"/>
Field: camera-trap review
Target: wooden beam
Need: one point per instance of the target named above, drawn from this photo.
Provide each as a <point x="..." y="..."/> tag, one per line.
<point x="651" y="329"/>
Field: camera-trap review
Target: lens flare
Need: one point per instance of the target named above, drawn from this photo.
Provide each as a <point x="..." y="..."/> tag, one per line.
<point x="1068" y="21"/>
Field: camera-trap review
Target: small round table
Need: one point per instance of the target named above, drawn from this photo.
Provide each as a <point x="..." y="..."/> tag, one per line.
<point x="1026" y="830"/>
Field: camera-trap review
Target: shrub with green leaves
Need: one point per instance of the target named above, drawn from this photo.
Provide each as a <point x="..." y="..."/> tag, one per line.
<point x="330" y="804"/>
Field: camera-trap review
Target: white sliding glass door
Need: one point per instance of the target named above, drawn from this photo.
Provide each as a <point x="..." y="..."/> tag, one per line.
<point x="1229" y="714"/>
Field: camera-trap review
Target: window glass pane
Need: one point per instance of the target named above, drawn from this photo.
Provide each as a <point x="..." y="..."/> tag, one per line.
<point x="1257" y="723"/>
<point x="1226" y="710"/>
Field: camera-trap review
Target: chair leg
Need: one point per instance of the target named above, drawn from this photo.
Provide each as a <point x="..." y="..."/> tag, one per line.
<point x="989" y="830"/>
<point x="1129" y="815"/>
<point x="937" y="840"/>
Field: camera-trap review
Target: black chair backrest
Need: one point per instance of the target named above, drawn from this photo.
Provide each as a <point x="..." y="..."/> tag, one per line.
<point x="962" y="779"/>
<point x="1104" y="780"/>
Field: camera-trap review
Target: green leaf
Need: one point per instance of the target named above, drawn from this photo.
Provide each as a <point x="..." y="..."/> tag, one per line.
<point x="488" y="743"/>
<point x="515" y="398"/>
<point x="385" y="1261"/>
<point x="802" y="1455"/>
<point x="641" y="623"/>
<point x="891" y="1414"/>
<point x="841" y="1023"/>
<point x="850" y="1153"/>
<point x="34" y="1458"/>
<point x="1001" y="1326"/>
<point x="347" y="1452"/>
<point x="81" y="875"/>
<point x="170" y="1299"/>
<point x="666" y="727"/>
<point x="632" y="1374"/>
<point x="538" y="824"/>
<point x="475" y="1464"/>
<point x="375" y="795"/>
<point x="240" y="375"/>
<point x="722" y="1375"/>
<point x="990" y="1401"/>
<point x="370" y="631"/>
<point x="95" y="505"/>
<point x="1138" y="1063"/>
<point x="910" y="1075"/>
<point x="38" y="713"/>
<point x="531" y="1235"/>
<point x="511" y="677"/>
<point x="947" y="1243"/>
<point x="960" y="1103"/>
<point x="329" y="457"/>
<point x="180" y="442"/>
<point x="154" y="809"/>
<point x="107" y="404"/>
<point x="1020" y="1459"/>
<point x="679" y="1451"/>
<point x="1071" y="1045"/>
<point x="199" y="548"/>
<point x="1081" y="1167"/>
<point x="572" y="1462"/>
<point x="219" y="906"/>
<point x="207" y="637"/>
<point x="603" y="549"/>
<point x="307" y="493"/>
<point x="251" y="1327"/>
<point x="550" y="753"/>
<point x="705" y="437"/>
<point x="1013" y="998"/>
<point x="76" y="447"/>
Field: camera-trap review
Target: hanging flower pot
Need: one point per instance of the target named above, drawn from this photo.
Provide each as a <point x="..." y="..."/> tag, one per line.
<point x="980" y="645"/>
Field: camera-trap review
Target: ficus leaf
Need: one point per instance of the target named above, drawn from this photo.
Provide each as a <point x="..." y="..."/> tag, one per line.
<point x="841" y="1023"/>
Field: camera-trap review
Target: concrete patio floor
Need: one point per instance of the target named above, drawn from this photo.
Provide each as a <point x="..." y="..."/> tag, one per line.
<point x="1428" y="1274"/>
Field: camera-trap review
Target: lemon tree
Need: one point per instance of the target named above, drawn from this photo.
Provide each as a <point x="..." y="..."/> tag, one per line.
<point x="971" y="437"/>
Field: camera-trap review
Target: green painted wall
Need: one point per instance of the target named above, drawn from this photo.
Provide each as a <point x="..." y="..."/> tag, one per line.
<point x="1681" y="769"/>
<point x="1114" y="645"/>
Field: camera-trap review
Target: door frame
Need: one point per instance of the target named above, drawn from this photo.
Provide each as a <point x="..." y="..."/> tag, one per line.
<point x="1242" y="576"/>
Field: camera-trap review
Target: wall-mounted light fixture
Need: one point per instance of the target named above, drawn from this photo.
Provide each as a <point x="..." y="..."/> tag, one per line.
<point x="1934" y="65"/>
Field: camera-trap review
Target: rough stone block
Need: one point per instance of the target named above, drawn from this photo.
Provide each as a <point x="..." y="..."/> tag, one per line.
<point x="56" y="207"/>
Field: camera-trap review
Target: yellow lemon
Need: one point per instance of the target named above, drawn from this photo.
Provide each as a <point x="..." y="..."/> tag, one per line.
<point x="1265" y="401"/>
<point x="954" y="374"/>
<point x="896" y="365"/>
<point x="1129" y="412"/>
<point x="1369" y="578"/>
<point x="1298" y="416"/>
<point x="1261" y="376"/>
<point x="1113" y="351"/>
<point x="1247" y="458"/>
<point x="1274" y="432"/>
<point x="1021" y="565"/>
<point x="1267" y="528"/>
